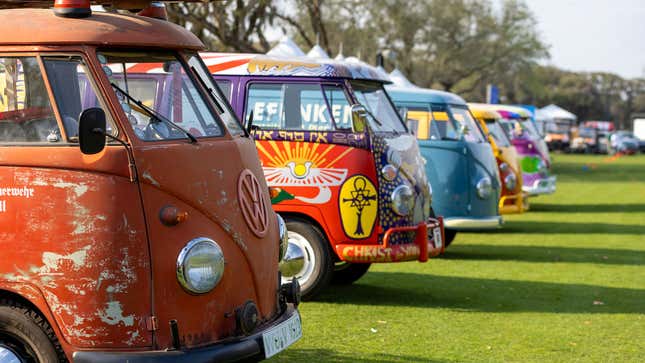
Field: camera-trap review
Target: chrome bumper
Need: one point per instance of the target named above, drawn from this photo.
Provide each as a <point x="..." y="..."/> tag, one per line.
<point x="541" y="186"/>
<point x="462" y="224"/>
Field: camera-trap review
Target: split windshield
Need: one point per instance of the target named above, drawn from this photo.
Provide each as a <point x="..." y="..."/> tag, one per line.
<point x="373" y="97"/>
<point x="161" y="99"/>
<point x="452" y="122"/>
<point x="498" y="133"/>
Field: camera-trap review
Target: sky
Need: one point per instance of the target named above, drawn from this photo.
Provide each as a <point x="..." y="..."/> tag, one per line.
<point x="593" y="35"/>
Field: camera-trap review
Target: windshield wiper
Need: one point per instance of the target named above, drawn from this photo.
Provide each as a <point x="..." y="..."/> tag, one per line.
<point x="154" y="115"/>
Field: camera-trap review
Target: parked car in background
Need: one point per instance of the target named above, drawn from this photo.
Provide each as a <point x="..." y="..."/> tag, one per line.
<point x="460" y="163"/>
<point x="513" y="199"/>
<point x="130" y="231"/>
<point x="342" y="168"/>
<point x="623" y="142"/>
<point x="534" y="155"/>
<point x="585" y="140"/>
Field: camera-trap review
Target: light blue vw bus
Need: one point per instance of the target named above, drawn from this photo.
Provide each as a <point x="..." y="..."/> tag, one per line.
<point x="460" y="163"/>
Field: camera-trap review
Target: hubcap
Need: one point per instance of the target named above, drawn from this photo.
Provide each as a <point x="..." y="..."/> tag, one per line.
<point x="8" y="355"/>
<point x="299" y="261"/>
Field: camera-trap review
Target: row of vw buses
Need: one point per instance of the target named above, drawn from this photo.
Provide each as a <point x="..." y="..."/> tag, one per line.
<point x="159" y="204"/>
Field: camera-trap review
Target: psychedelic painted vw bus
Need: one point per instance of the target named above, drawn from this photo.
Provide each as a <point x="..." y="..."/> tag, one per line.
<point x="513" y="199"/>
<point x="341" y="166"/>
<point x="534" y="154"/>
<point x="123" y="239"/>
<point x="459" y="160"/>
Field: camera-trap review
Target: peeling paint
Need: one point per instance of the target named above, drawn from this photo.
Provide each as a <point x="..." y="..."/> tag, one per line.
<point x="113" y="314"/>
<point x="147" y="176"/>
<point x="79" y="189"/>
<point x="53" y="260"/>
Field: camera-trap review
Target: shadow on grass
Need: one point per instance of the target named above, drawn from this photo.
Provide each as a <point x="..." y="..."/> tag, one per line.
<point x="587" y="208"/>
<point x="484" y="295"/>
<point x="326" y="355"/>
<point x="605" y="256"/>
<point x="591" y="227"/>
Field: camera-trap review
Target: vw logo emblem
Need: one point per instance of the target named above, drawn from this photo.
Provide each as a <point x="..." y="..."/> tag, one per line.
<point x="252" y="203"/>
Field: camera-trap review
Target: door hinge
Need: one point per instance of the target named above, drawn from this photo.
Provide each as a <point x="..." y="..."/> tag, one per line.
<point x="151" y="323"/>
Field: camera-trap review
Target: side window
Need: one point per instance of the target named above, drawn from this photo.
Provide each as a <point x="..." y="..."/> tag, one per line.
<point x="26" y="114"/>
<point x="225" y="87"/>
<point x="73" y="92"/>
<point x="290" y="106"/>
<point x="341" y="110"/>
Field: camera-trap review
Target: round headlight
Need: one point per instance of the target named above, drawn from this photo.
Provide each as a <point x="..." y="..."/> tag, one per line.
<point x="284" y="237"/>
<point x="484" y="187"/>
<point x="503" y="167"/>
<point x="200" y="265"/>
<point x="389" y="172"/>
<point x="403" y="200"/>
<point x="510" y="181"/>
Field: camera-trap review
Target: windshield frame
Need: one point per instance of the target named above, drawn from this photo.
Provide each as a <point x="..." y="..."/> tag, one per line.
<point x="119" y="114"/>
<point x="354" y="83"/>
<point x="507" y="142"/>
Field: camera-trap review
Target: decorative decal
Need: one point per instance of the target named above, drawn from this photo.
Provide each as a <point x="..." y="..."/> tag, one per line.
<point x="254" y="208"/>
<point x="303" y="165"/>
<point x="358" y="206"/>
<point x="530" y="164"/>
<point x="16" y="192"/>
<point x="278" y="195"/>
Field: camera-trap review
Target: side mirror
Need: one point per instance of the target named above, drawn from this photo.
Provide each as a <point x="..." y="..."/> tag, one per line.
<point x="359" y="118"/>
<point x="91" y="131"/>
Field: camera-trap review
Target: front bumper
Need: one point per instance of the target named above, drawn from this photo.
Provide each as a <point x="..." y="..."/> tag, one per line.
<point x="541" y="186"/>
<point x="425" y="245"/>
<point x="473" y="223"/>
<point x="515" y="203"/>
<point x="250" y="347"/>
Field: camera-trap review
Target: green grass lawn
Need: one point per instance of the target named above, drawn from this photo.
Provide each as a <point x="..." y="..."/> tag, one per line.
<point x="564" y="282"/>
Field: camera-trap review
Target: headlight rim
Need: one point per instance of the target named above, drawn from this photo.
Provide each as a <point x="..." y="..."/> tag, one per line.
<point x="283" y="235"/>
<point x="484" y="182"/>
<point x="181" y="268"/>
<point x="512" y="176"/>
<point x="395" y="207"/>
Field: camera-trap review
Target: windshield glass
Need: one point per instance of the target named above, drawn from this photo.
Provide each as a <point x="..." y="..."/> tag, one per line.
<point x="557" y="127"/>
<point x="373" y="97"/>
<point x="530" y="128"/>
<point x="466" y="122"/>
<point x="498" y="133"/>
<point x="587" y="132"/>
<point x="159" y="81"/>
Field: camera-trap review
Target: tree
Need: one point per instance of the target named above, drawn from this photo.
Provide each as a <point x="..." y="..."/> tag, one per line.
<point x="228" y="25"/>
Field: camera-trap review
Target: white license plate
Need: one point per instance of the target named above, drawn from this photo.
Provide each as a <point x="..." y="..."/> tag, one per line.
<point x="437" y="237"/>
<point x="281" y="336"/>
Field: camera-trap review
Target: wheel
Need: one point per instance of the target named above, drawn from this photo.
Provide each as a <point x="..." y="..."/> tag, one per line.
<point x="308" y="258"/>
<point x="346" y="273"/>
<point x="26" y="337"/>
<point x="450" y="236"/>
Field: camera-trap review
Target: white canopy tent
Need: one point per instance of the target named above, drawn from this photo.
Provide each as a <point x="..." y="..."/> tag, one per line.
<point x="555" y="113"/>
<point x="399" y="79"/>
<point x="286" y="48"/>
<point x="317" y="52"/>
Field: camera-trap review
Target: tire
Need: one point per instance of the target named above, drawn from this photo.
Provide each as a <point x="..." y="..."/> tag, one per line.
<point x="348" y="273"/>
<point x="318" y="264"/>
<point x="27" y="335"/>
<point x="450" y="236"/>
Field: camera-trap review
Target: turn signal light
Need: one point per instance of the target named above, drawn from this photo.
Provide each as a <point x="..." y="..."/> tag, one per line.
<point x="172" y="216"/>
<point x="72" y="8"/>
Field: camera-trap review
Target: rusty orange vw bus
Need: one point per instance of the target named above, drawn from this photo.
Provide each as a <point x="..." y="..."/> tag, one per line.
<point x="343" y="169"/>
<point x="129" y="232"/>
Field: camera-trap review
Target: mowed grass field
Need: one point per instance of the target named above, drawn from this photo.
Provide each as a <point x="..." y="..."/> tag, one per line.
<point x="564" y="282"/>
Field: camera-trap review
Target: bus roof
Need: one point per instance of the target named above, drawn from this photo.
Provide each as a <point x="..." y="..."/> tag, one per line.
<point x="415" y="94"/>
<point x="510" y="112"/>
<point x="263" y="65"/>
<point x="42" y="27"/>
<point x="482" y="111"/>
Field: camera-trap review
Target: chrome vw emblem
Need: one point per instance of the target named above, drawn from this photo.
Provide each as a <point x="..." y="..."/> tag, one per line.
<point x="254" y="208"/>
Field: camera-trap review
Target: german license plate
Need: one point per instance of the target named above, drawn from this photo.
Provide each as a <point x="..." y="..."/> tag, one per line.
<point x="282" y="335"/>
<point x="436" y="232"/>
